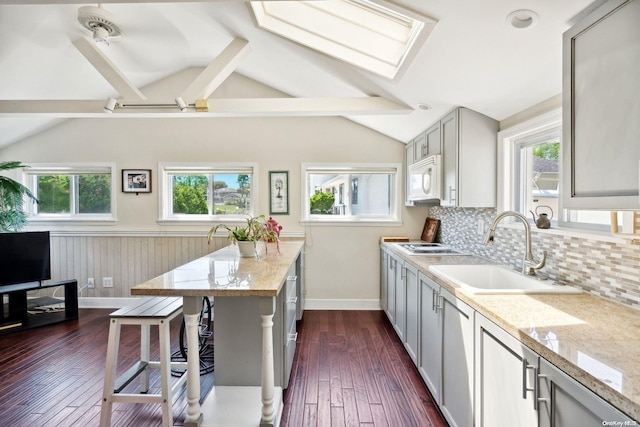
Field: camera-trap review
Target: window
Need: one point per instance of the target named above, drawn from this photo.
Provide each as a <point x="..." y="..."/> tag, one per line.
<point x="207" y="191"/>
<point x="72" y="192"/>
<point x="529" y="174"/>
<point x="351" y="193"/>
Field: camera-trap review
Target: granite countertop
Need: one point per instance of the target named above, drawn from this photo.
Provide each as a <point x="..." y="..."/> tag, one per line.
<point x="593" y="340"/>
<point x="224" y="273"/>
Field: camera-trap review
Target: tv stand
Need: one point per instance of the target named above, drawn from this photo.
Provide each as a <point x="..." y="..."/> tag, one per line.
<point x="15" y="315"/>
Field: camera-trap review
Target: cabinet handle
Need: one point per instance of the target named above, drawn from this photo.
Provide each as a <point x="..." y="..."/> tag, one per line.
<point x="292" y="300"/>
<point x="433" y="299"/>
<point x="292" y="278"/>
<point x="452" y="191"/>
<point x="292" y="337"/>
<point x="525" y="388"/>
<point x="403" y="272"/>
<point x="542" y="399"/>
<point x="439" y="303"/>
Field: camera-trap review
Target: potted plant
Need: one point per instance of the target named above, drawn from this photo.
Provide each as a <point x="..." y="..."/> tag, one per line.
<point x="246" y="236"/>
<point x="12" y="196"/>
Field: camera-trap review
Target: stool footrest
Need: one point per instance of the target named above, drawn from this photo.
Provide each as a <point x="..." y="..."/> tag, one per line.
<point x="123" y="380"/>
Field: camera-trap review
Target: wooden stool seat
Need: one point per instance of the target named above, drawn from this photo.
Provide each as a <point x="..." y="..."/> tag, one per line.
<point x="146" y="312"/>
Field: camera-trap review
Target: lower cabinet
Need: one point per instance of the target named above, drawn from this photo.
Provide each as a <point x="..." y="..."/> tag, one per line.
<point x="446" y="351"/>
<point x="504" y="377"/>
<point x="478" y="374"/>
<point x="567" y="403"/>
<point x="515" y="386"/>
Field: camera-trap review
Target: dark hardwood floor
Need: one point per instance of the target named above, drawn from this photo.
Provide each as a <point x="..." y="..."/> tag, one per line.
<point x="350" y="369"/>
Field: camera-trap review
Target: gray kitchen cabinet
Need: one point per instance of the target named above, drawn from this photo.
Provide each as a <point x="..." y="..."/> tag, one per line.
<point x="601" y="126"/>
<point x="400" y="287"/>
<point x="504" y="377"/>
<point x="391" y="266"/>
<point x="430" y="355"/>
<point x="469" y="144"/>
<point x="567" y="403"/>
<point x="427" y="143"/>
<point x="446" y="351"/>
<point x="412" y="299"/>
<point x="384" y="259"/>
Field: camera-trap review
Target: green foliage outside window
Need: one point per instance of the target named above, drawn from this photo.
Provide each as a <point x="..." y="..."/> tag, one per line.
<point x="548" y="150"/>
<point x="54" y="193"/>
<point x="93" y="195"/>
<point x="190" y="194"/>
<point x="322" y="203"/>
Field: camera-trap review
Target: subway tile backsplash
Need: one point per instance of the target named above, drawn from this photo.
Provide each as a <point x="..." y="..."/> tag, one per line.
<point x="598" y="266"/>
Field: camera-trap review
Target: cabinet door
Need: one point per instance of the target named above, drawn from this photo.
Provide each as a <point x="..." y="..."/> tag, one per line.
<point x="391" y="287"/>
<point x="504" y="378"/>
<point x="432" y="140"/>
<point x="601" y="153"/>
<point x="430" y="355"/>
<point x="412" y="300"/>
<point x="457" y="360"/>
<point x="450" y="136"/>
<point x="569" y="404"/>
<point x="400" y="299"/>
<point x="420" y="147"/>
<point x="383" y="279"/>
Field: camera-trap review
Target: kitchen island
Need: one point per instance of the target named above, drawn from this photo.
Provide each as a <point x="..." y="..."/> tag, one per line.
<point x="253" y="320"/>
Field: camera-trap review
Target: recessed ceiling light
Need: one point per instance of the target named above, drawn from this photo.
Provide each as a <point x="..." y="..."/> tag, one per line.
<point x="423" y="106"/>
<point x="522" y="18"/>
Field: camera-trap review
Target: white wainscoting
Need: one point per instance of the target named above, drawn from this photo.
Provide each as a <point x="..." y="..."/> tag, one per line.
<point x="127" y="259"/>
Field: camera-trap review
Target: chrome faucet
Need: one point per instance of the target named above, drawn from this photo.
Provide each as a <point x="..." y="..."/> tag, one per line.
<point x="529" y="264"/>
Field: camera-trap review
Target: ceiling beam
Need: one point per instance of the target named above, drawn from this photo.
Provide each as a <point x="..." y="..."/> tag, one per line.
<point x="227" y="107"/>
<point x="217" y="72"/>
<point x="108" y="69"/>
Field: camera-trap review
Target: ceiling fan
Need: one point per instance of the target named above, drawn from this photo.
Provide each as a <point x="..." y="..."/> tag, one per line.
<point x="100" y="22"/>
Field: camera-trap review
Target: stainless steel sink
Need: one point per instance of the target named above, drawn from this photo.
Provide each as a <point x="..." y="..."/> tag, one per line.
<point x="425" y="248"/>
<point x="497" y="279"/>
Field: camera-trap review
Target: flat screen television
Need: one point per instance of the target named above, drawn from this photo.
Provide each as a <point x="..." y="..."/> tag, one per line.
<point x="24" y="257"/>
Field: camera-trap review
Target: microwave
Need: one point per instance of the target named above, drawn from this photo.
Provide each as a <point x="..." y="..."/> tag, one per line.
<point x="424" y="180"/>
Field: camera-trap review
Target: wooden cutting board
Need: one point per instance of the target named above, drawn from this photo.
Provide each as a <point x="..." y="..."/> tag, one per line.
<point x="430" y="230"/>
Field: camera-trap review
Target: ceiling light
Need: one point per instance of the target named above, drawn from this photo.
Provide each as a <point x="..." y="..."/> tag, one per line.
<point x="522" y="18"/>
<point x="100" y="22"/>
<point x="181" y="104"/>
<point x="110" y="105"/>
<point x="423" y="106"/>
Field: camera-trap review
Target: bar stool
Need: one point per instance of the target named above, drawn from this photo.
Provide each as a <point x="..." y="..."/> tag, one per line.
<point x="148" y="311"/>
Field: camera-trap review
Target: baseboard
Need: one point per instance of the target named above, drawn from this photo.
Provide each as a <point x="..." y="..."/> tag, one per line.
<point x="341" y="304"/>
<point x="97" y="302"/>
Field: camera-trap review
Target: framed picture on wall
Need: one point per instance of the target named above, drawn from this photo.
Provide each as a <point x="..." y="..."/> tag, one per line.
<point x="136" y="180"/>
<point x="279" y="192"/>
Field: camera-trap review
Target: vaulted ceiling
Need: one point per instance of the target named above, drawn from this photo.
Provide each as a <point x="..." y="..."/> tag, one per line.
<point x="473" y="57"/>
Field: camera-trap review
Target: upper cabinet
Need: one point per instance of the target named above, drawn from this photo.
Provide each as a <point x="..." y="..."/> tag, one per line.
<point x="601" y="112"/>
<point x="427" y="143"/>
<point x="468" y="159"/>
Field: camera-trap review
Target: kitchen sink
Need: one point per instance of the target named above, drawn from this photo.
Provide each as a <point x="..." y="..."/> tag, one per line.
<point x="498" y="279"/>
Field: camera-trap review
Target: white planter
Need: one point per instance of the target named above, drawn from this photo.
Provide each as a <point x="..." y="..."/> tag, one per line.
<point x="247" y="249"/>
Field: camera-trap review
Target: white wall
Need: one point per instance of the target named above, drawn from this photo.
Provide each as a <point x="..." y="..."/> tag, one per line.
<point x="342" y="262"/>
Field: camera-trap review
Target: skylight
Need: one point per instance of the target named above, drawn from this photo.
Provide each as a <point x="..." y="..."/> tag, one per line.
<point x="359" y="32"/>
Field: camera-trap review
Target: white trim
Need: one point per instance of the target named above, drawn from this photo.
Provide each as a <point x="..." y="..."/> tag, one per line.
<point x="341" y="304"/>
<point x="150" y="233"/>
<point x="72" y="169"/>
<point x="164" y="168"/>
<point x="507" y="152"/>
<point x="99" y="302"/>
<point x="395" y="216"/>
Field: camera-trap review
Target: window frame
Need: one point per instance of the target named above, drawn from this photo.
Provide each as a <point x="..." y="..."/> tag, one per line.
<point x="28" y="178"/>
<point x="508" y="149"/>
<point x="168" y="169"/>
<point x="395" y="216"/>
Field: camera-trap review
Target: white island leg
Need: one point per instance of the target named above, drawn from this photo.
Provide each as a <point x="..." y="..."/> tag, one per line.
<point x="267" y="310"/>
<point x="191" y="311"/>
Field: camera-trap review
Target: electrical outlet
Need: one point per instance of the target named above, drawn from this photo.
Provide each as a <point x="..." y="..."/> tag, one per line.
<point x="91" y="283"/>
<point x="107" y="282"/>
<point x="480" y="227"/>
